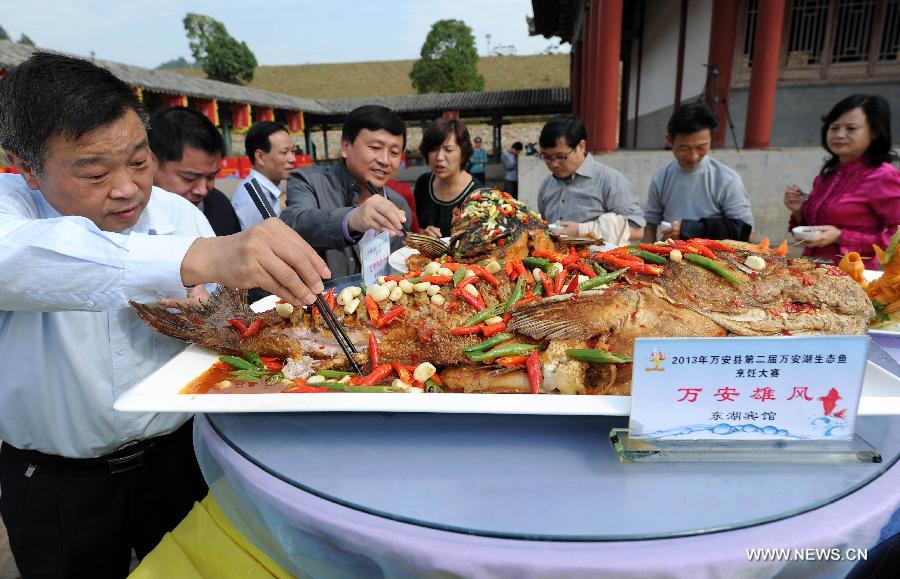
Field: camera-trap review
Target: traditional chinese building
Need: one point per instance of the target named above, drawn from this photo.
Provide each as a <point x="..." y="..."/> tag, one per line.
<point x="774" y="66"/>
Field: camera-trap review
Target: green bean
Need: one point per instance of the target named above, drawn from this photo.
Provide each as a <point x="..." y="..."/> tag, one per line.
<point x="598" y="356"/>
<point x="714" y="267"/>
<point x="459" y="274"/>
<point x="489" y="343"/>
<point x="238" y="363"/>
<point x="601" y="279"/>
<point x="483" y="315"/>
<point x="254" y="359"/>
<point x="598" y="269"/>
<point x="338" y="387"/>
<point x="533" y="262"/>
<point x="507" y="350"/>
<point x="334" y="373"/>
<point x="538" y="289"/>
<point x="516" y="295"/>
<point x="647" y="256"/>
<point x="433" y="387"/>
<point x="362" y="287"/>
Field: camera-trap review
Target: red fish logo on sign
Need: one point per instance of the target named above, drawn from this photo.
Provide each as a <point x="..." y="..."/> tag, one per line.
<point x="829" y="402"/>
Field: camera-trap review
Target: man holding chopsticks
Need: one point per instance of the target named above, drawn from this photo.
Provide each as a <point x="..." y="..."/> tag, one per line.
<point x="82" y="231"/>
<point x="333" y="206"/>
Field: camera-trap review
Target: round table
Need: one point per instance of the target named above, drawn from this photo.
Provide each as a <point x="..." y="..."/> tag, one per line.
<point x="416" y="495"/>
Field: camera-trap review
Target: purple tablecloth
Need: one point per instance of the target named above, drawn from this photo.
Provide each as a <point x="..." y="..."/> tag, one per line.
<point x="311" y="536"/>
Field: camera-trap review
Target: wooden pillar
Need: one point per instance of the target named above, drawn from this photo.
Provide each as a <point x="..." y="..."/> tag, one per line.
<point x="679" y="59"/>
<point x="325" y="140"/>
<point x="764" y="74"/>
<point x="720" y="61"/>
<point x="608" y="24"/>
<point x="575" y="78"/>
<point x="589" y="73"/>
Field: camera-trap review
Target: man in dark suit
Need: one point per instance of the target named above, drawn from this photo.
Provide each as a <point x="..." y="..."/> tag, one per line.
<point x="188" y="150"/>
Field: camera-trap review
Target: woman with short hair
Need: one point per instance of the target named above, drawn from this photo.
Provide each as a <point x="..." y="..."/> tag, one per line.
<point x="446" y="148"/>
<point x="855" y="200"/>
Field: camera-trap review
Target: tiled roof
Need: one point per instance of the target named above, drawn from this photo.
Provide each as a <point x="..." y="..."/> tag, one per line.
<point x="161" y="81"/>
<point x="410" y="107"/>
<point x="485" y="103"/>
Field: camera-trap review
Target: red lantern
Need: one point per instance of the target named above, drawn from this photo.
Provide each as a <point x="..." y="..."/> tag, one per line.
<point x="295" y="122"/>
<point x="265" y="114"/>
<point x="240" y="117"/>
<point x="171" y="101"/>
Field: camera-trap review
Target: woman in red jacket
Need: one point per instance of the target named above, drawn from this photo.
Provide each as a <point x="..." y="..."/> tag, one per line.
<point x="855" y="200"/>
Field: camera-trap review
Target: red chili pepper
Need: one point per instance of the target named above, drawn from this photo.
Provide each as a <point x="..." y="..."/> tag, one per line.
<point x="524" y="301"/>
<point x="506" y="317"/>
<point x="570" y="260"/>
<point x="702" y="249"/>
<point x="467" y="330"/>
<point x="573" y="286"/>
<point x="436" y="279"/>
<point x="644" y="268"/>
<point x="583" y="268"/>
<point x="241" y="326"/>
<point x="710" y="243"/>
<point x="403" y="372"/>
<point x="559" y="281"/>
<point x="391" y="315"/>
<point x="657" y="249"/>
<point x="465" y="296"/>
<point x="272" y="364"/>
<point x="466" y="281"/>
<point x="551" y="255"/>
<point x="491" y="329"/>
<point x="252" y="329"/>
<point x="377" y="375"/>
<point x="511" y="360"/>
<point x="508" y="268"/>
<point x="487" y="276"/>
<point x="373" y="309"/>
<point x="547" y="283"/>
<point x="533" y="364"/>
<point x="330" y="299"/>
<point x="520" y="270"/>
<point x="304" y="388"/>
<point x="374" y="356"/>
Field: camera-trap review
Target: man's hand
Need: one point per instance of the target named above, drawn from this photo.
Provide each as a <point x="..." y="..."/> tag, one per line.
<point x="195" y="296"/>
<point x="568" y="228"/>
<point x="432" y="231"/>
<point x="378" y="213"/>
<point x="270" y="255"/>
<point x="674" y="232"/>
<point x="828" y="234"/>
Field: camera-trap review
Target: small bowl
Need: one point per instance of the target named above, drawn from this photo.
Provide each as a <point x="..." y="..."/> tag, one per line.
<point x="806" y="232"/>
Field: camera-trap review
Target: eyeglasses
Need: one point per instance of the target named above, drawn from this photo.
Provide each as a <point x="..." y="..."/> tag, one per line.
<point x="557" y="157"/>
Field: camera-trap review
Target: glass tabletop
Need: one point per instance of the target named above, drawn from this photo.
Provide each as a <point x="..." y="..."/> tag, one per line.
<point x="532" y="477"/>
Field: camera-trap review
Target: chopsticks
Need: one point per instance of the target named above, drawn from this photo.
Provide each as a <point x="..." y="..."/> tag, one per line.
<point x="334" y="325"/>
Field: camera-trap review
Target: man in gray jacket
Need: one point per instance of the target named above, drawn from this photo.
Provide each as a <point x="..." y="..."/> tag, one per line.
<point x="332" y="207"/>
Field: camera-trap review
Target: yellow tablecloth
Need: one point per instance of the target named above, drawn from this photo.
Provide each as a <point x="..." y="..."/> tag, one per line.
<point x="206" y="545"/>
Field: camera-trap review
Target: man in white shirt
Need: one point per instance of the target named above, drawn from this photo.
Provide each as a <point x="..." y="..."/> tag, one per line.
<point x="82" y="231"/>
<point x="271" y="152"/>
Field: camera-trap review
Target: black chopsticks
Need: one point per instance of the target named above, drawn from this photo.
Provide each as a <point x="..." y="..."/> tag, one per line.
<point x="334" y="325"/>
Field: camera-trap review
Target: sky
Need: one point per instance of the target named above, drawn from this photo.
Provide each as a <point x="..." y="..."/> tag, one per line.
<point x="147" y="34"/>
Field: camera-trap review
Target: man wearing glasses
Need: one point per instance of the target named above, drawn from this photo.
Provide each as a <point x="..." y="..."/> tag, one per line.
<point x="584" y="196"/>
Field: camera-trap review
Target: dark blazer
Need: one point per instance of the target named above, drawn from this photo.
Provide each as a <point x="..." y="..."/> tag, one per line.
<point x="220" y="213"/>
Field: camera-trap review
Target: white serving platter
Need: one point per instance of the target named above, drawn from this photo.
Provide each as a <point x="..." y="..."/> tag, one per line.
<point x="160" y="392"/>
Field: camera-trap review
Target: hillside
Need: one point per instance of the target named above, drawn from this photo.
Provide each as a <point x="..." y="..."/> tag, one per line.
<point x="388" y="78"/>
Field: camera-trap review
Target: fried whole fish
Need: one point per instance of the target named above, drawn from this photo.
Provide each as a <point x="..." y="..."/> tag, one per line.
<point x="789" y="296"/>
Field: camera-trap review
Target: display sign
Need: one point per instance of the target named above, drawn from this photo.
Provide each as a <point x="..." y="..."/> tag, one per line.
<point x="747" y="388"/>
<point x="375" y="249"/>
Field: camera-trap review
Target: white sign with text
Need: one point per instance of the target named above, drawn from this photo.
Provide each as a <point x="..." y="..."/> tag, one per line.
<point x="375" y="250"/>
<point x="792" y="388"/>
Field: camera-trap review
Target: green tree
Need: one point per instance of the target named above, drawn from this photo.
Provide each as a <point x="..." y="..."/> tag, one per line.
<point x="448" y="61"/>
<point x="25" y="40"/>
<point x="219" y="55"/>
<point x="180" y="62"/>
<point x="3" y="34"/>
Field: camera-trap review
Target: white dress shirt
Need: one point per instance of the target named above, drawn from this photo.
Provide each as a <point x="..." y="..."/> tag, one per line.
<point x="70" y="343"/>
<point x="245" y="208"/>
